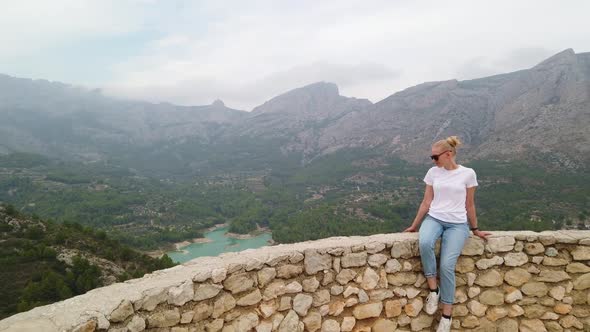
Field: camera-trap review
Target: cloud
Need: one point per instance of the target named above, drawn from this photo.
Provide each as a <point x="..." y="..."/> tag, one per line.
<point x="245" y="52"/>
<point x="517" y="59"/>
<point x="248" y="94"/>
<point x="28" y="26"/>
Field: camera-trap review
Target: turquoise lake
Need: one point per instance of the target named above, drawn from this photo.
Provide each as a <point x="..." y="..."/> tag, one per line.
<point x="219" y="244"/>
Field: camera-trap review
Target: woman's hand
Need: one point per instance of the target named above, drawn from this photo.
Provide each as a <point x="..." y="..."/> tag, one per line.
<point x="411" y="229"/>
<point x="481" y="234"/>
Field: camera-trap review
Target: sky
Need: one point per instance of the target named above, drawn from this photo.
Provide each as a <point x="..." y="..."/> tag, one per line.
<point x="247" y="52"/>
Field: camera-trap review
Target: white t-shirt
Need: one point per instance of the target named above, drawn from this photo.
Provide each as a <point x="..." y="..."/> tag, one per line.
<point x="450" y="192"/>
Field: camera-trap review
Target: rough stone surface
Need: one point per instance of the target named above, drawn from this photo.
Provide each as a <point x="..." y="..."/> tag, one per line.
<point x="266" y="275"/>
<point x="577" y="268"/>
<point x="477" y="308"/>
<point x="508" y="325"/>
<point x="310" y="285"/>
<point x="354" y="260"/>
<point x="484" y="264"/>
<point x="313" y="321"/>
<point x="137" y="324"/>
<point x="473" y="292"/>
<point x="402" y="278"/>
<point x="336" y="308"/>
<point x="581" y="253"/>
<point x="268" y="308"/>
<point x="513" y="295"/>
<point x="293" y="288"/>
<point x="370" y="279"/>
<point x="393" y="308"/>
<point x="515" y="310"/>
<point x="238" y="283"/>
<point x="473" y="247"/>
<point x="203" y="311"/>
<point x="348" y="324"/>
<point x="285" y="303"/>
<point x="421" y="322"/>
<point x="302" y="303"/>
<point x="384" y="325"/>
<point x="165" y="318"/>
<point x="582" y="282"/>
<point x="553" y="276"/>
<point x="534" y="248"/>
<point x="250" y="299"/>
<point x="246" y="322"/>
<point x="124" y="310"/>
<point x="330" y="325"/>
<point x="223" y="304"/>
<point x="500" y="244"/>
<point x="517" y="277"/>
<point x="554" y="261"/>
<point x="537" y="289"/>
<point x="490" y="278"/>
<point x="516" y="259"/>
<point x="402" y="250"/>
<point x="321" y="297"/>
<point x="517" y="281"/>
<point x="181" y="294"/>
<point x="315" y="262"/>
<point x="336" y="290"/>
<point x="289" y="271"/>
<point x="393" y="266"/>
<point x="492" y="297"/>
<point x="377" y="260"/>
<point x="414" y="307"/>
<point x="470" y="322"/>
<point x="290" y="323"/>
<point x="464" y="265"/>
<point x="363" y="311"/>
<point x="206" y="291"/>
<point x="532" y="325"/>
<point x="345" y="276"/>
<point x="495" y="313"/>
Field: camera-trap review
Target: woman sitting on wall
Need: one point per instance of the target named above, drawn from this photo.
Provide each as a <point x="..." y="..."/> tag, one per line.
<point x="448" y="205"/>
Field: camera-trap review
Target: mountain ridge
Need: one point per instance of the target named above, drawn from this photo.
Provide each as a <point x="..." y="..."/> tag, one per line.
<point x="524" y="111"/>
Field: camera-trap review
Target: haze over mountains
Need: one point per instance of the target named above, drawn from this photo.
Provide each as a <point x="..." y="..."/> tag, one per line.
<point x="541" y="113"/>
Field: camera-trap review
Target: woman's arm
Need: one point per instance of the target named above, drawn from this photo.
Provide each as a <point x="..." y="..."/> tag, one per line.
<point x="471" y="214"/>
<point x="422" y="210"/>
<point x="470" y="206"/>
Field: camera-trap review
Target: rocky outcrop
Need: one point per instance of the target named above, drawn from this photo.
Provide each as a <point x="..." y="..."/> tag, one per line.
<point x="296" y="118"/>
<point x="510" y="115"/>
<point x="515" y="281"/>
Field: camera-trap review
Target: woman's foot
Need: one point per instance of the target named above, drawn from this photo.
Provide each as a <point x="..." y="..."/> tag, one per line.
<point x="432" y="302"/>
<point x="444" y="325"/>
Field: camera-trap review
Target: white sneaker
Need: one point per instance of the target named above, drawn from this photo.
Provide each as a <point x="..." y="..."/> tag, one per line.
<point x="444" y="325"/>
<point x="432" y="302"/>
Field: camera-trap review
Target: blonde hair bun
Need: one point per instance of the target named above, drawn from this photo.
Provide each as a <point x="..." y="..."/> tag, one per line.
<point x="453" y="141"/>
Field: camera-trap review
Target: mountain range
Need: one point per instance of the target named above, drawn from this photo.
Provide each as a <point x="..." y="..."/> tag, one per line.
<point x="536" y="114"/>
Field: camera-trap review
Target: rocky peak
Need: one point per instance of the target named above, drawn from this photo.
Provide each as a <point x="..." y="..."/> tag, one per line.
<point x="218" y="103"/>
<point x="564" y="57"/>
<point x="424" y="88"/>
<point x="307" y="97"/>
<point x="326" y="89"/>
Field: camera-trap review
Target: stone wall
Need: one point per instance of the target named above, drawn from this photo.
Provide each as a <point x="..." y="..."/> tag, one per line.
<point x="516" y="281"/>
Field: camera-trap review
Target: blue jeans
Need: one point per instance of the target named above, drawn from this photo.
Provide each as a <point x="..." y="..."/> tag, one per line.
<point x="453" y="239"/>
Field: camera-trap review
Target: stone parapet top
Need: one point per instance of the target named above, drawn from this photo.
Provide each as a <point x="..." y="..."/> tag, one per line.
<point x="100" y="303"/>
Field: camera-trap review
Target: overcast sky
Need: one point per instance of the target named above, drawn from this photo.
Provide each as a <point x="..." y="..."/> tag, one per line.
<point x="246" y="52"/>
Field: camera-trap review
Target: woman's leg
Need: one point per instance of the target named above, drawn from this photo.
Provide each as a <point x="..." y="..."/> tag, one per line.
<point x="430" y="231"/>
<point x="453" y="240"/>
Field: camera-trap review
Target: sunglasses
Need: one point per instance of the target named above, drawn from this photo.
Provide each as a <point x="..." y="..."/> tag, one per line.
<point x="435" y="156"/>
